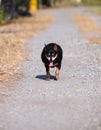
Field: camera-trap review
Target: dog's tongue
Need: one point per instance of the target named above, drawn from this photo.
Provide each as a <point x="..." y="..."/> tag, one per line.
<point x="51" y="64"/>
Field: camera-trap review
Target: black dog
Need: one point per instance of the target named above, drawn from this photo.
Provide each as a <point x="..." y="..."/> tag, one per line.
<point x="52" y="56"/>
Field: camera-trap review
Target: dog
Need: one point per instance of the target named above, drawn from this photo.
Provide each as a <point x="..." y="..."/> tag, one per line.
<point x="51" y="56"/>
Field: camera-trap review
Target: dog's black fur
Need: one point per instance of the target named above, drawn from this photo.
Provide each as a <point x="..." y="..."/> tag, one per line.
<point x="52" y="57"/>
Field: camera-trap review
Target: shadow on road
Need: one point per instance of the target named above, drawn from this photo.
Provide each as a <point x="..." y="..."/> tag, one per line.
<point x="43" y="77"/>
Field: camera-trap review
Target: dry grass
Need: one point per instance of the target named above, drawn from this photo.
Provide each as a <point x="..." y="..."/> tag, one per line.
<point x="95" y="10"/>
<point x="13" y="38"/>
<point x="96" y="40"/>
<point x="87" y="25"/>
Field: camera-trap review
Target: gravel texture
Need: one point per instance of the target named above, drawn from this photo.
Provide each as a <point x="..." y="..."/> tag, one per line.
<point x="71" y="103"/>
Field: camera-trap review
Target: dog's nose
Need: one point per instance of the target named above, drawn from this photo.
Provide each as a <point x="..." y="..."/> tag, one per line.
<point x="51" y="59"/>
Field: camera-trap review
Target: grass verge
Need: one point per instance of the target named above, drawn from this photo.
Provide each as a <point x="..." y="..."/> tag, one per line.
<point x="88" y="25"/>
<point x="96" y="10"/>
<point x="13" y="39"/>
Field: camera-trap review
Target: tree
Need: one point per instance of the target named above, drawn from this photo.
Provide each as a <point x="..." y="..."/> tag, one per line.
<point x="51" y="3"/>
<point x="23" y="7"/>
<point x="39" y="3"/>
<point x="48" y="2"/>
<point x="14" y="8"/>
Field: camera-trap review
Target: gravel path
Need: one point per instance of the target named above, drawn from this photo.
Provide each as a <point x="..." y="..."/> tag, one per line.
<point x="71" y="103"/>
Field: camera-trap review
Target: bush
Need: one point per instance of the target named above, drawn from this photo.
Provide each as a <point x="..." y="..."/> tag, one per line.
<point x="91" y="2"/>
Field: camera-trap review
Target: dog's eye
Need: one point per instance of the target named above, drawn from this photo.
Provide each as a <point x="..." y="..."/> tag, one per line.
<point x="53" y="55"/>
<point x="48" y="55"/>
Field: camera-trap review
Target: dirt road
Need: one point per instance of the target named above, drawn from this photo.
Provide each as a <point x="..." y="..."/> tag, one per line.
<point x="71" y="103"/>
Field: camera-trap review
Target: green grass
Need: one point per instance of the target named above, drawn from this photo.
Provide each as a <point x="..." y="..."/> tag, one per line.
<point x="96" y="10"/>
<point x="1" y="16"/>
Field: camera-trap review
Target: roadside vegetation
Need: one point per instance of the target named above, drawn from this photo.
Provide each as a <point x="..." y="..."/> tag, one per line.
<point x="88" y="26"/>
<point x="95" y="10"/>
<point x="13" y="38"/>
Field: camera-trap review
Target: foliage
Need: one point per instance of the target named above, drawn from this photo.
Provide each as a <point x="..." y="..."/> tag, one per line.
<point x="91" y="2"/>
<point x="1" y="16"/>
<point x="96" y="10"/>
<point x="48" y="2"/>
<point x="11" y="9"/>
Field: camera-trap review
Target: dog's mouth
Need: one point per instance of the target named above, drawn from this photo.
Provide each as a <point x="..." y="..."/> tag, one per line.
<point x="51" y="64"/>
<point x="51" y="60"/>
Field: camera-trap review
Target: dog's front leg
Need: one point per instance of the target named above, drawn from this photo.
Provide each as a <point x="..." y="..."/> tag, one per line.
<point x="57" y="73"/>
<point x="47" y="72"/>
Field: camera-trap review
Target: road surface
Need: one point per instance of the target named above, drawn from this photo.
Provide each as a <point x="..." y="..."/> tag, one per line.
<point x="71" y="103"/>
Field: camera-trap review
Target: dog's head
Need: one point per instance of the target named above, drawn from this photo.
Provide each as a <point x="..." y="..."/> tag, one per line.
<point x="51" y="54"/>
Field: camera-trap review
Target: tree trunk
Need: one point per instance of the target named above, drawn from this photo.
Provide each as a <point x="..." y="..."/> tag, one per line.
<point x="39" y="4"/>
<point x="52" y="3"/>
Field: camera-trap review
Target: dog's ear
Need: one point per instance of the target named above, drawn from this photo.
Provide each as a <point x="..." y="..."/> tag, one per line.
<point x="45" y="47"/>
<point x="55" y="47"/>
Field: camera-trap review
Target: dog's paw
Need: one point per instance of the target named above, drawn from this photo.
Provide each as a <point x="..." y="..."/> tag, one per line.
<point x="48" y="78"/>
<point x="55" y="78"/>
